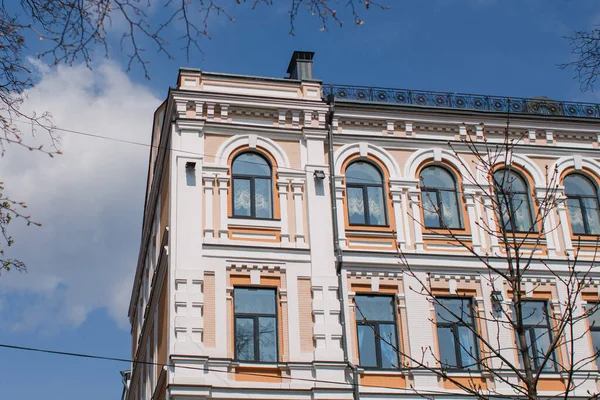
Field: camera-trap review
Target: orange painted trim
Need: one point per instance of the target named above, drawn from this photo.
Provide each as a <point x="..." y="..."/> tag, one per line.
<point x="590" y="297"/>
<point x="391" y="223"/>
<point x="551" y="384"/>
<point x="275" y="193"/>
<point x="365" y="288"/>
<point x="533" y="201"/>
<point x="265" y="282"/>
<point x="257" y="374"/>
<point x="468" y="381"/>
<point x="387" y="380"/>
<point x="466" y="229"/>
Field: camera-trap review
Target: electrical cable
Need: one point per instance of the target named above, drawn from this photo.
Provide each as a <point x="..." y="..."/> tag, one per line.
<point x="258" y="374"/>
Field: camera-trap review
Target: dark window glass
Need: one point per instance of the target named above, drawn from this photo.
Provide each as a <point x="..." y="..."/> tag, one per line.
<point x="582" y="203"/>
<point x="439" y="196"/>
<point x="537" y="332"/>
<point x="252" y="186"/>
<point x="376" y="328"/>
<point x="255" y="324"/>
<point x="365" y="195"/>
<point x="456" y="333"/>
<point x="594" y="322"/>
<point x="515" y="202"/>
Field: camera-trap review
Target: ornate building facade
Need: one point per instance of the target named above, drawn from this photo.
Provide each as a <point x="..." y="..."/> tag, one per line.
<point x="240" y="291"/>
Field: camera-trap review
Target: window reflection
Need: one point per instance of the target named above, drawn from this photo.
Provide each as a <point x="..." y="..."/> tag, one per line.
<point x="365" y="196"/>
<point x="252" y="186"/>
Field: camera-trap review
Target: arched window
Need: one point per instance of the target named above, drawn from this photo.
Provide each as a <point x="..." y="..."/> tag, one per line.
<point x="582" y="203"/>
<point x="252" y="188"/>
<point x="364" y="188"/>
<point x="515" y="202"/>
<point x="439" y="197"/>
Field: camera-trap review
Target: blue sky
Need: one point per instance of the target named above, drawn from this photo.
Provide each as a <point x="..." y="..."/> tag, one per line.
<point x="76" y="293"/>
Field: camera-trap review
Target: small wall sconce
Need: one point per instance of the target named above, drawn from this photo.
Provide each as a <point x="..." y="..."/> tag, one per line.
<point x="319" y="174"/>
<point x="497" y="296"/>
<point x="190" y="165"/>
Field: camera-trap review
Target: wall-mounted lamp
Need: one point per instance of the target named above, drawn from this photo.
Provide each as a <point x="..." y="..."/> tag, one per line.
<point x="497" y="296"/>
<point x="319" y="174"/>
<point x="190" y="165"/>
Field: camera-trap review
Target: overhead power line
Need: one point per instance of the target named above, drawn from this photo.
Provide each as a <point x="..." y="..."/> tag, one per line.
<point x="133" y="142"/>
<point x="257" y="374"/>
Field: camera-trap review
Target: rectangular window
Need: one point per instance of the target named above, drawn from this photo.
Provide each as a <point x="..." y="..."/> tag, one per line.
<point x="255" y="324"/>
<point x="376" y="328"/>
<point x="456" y="328"/>
<point x="594" y="323"/>
<point x="536" y="323"/>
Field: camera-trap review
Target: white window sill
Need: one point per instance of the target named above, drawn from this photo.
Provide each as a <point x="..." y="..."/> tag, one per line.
<point x="254" y="223"/>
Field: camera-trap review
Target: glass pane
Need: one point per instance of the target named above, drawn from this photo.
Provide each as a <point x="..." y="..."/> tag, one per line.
<point x="374" y="308"/>
<point x="461" y="308"/>
<point x="244" y="338"/>
<point x="446" y="345"/>
<point x="449" y="209"/>
<point x="254" y="301"/>
<point x="509" y="181"/>
<point x="430" y="213"/>
<point x="267" y="339"/>
<point x="542" y="344"/>
<point x="521" y="217"/>
<point x="241" y="197"/>
<point x="363" y="172"/>
<point x="262" y="198"/>
<point x="438" y="178"/>
<point x="594" y="315"/>
<point x="366" y="346"/>
<point x="251" y="164"/>
<point x="576" y="184"/>
<point x="467" y="348"/>
<point x="356" y="206"/>
<point x="376" y="207"/>
<point x="576" y="216"/>
<point x="504" y="201"/>
<point x="591" y="215"/>
<point x="596" y="344"/>
<point x="534" y="313"/>
<point x="387" y="344"/>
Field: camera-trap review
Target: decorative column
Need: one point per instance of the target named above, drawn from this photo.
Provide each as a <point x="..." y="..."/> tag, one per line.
<point x="339" y="201"/>
<point x="491" y="222"/>
<point x="223" y="230"/>
<point x="282" y="188"/>
<point x="415" y="202"/>
<point x="396" y="192"/>
<point x="209" y="231"/>
<point x="548" y="226"/>
<point x="475" y="237"/>
<point x="561" y="207"/>
<point x="297" y="189"/>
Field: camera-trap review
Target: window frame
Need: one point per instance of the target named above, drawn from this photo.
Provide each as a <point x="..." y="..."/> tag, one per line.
<point x="582" y="205"/>
<point x="361" y="321"/>
<point x="595" y="305"/>
<point x="452" y="325"/>
<point x="498" y="189"/>
<point x="365" y="194"/>
<point x="425" y="189"/>
<point x="530" y="331"/>
<point x="255" y="317"/>
<point x="252" y="179"/>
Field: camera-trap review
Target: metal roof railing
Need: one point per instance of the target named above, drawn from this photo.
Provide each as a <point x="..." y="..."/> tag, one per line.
<point x="464" y="101"/>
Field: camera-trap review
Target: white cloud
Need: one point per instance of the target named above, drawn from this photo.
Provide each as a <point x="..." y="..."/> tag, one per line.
<point x="89" y="200"/>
